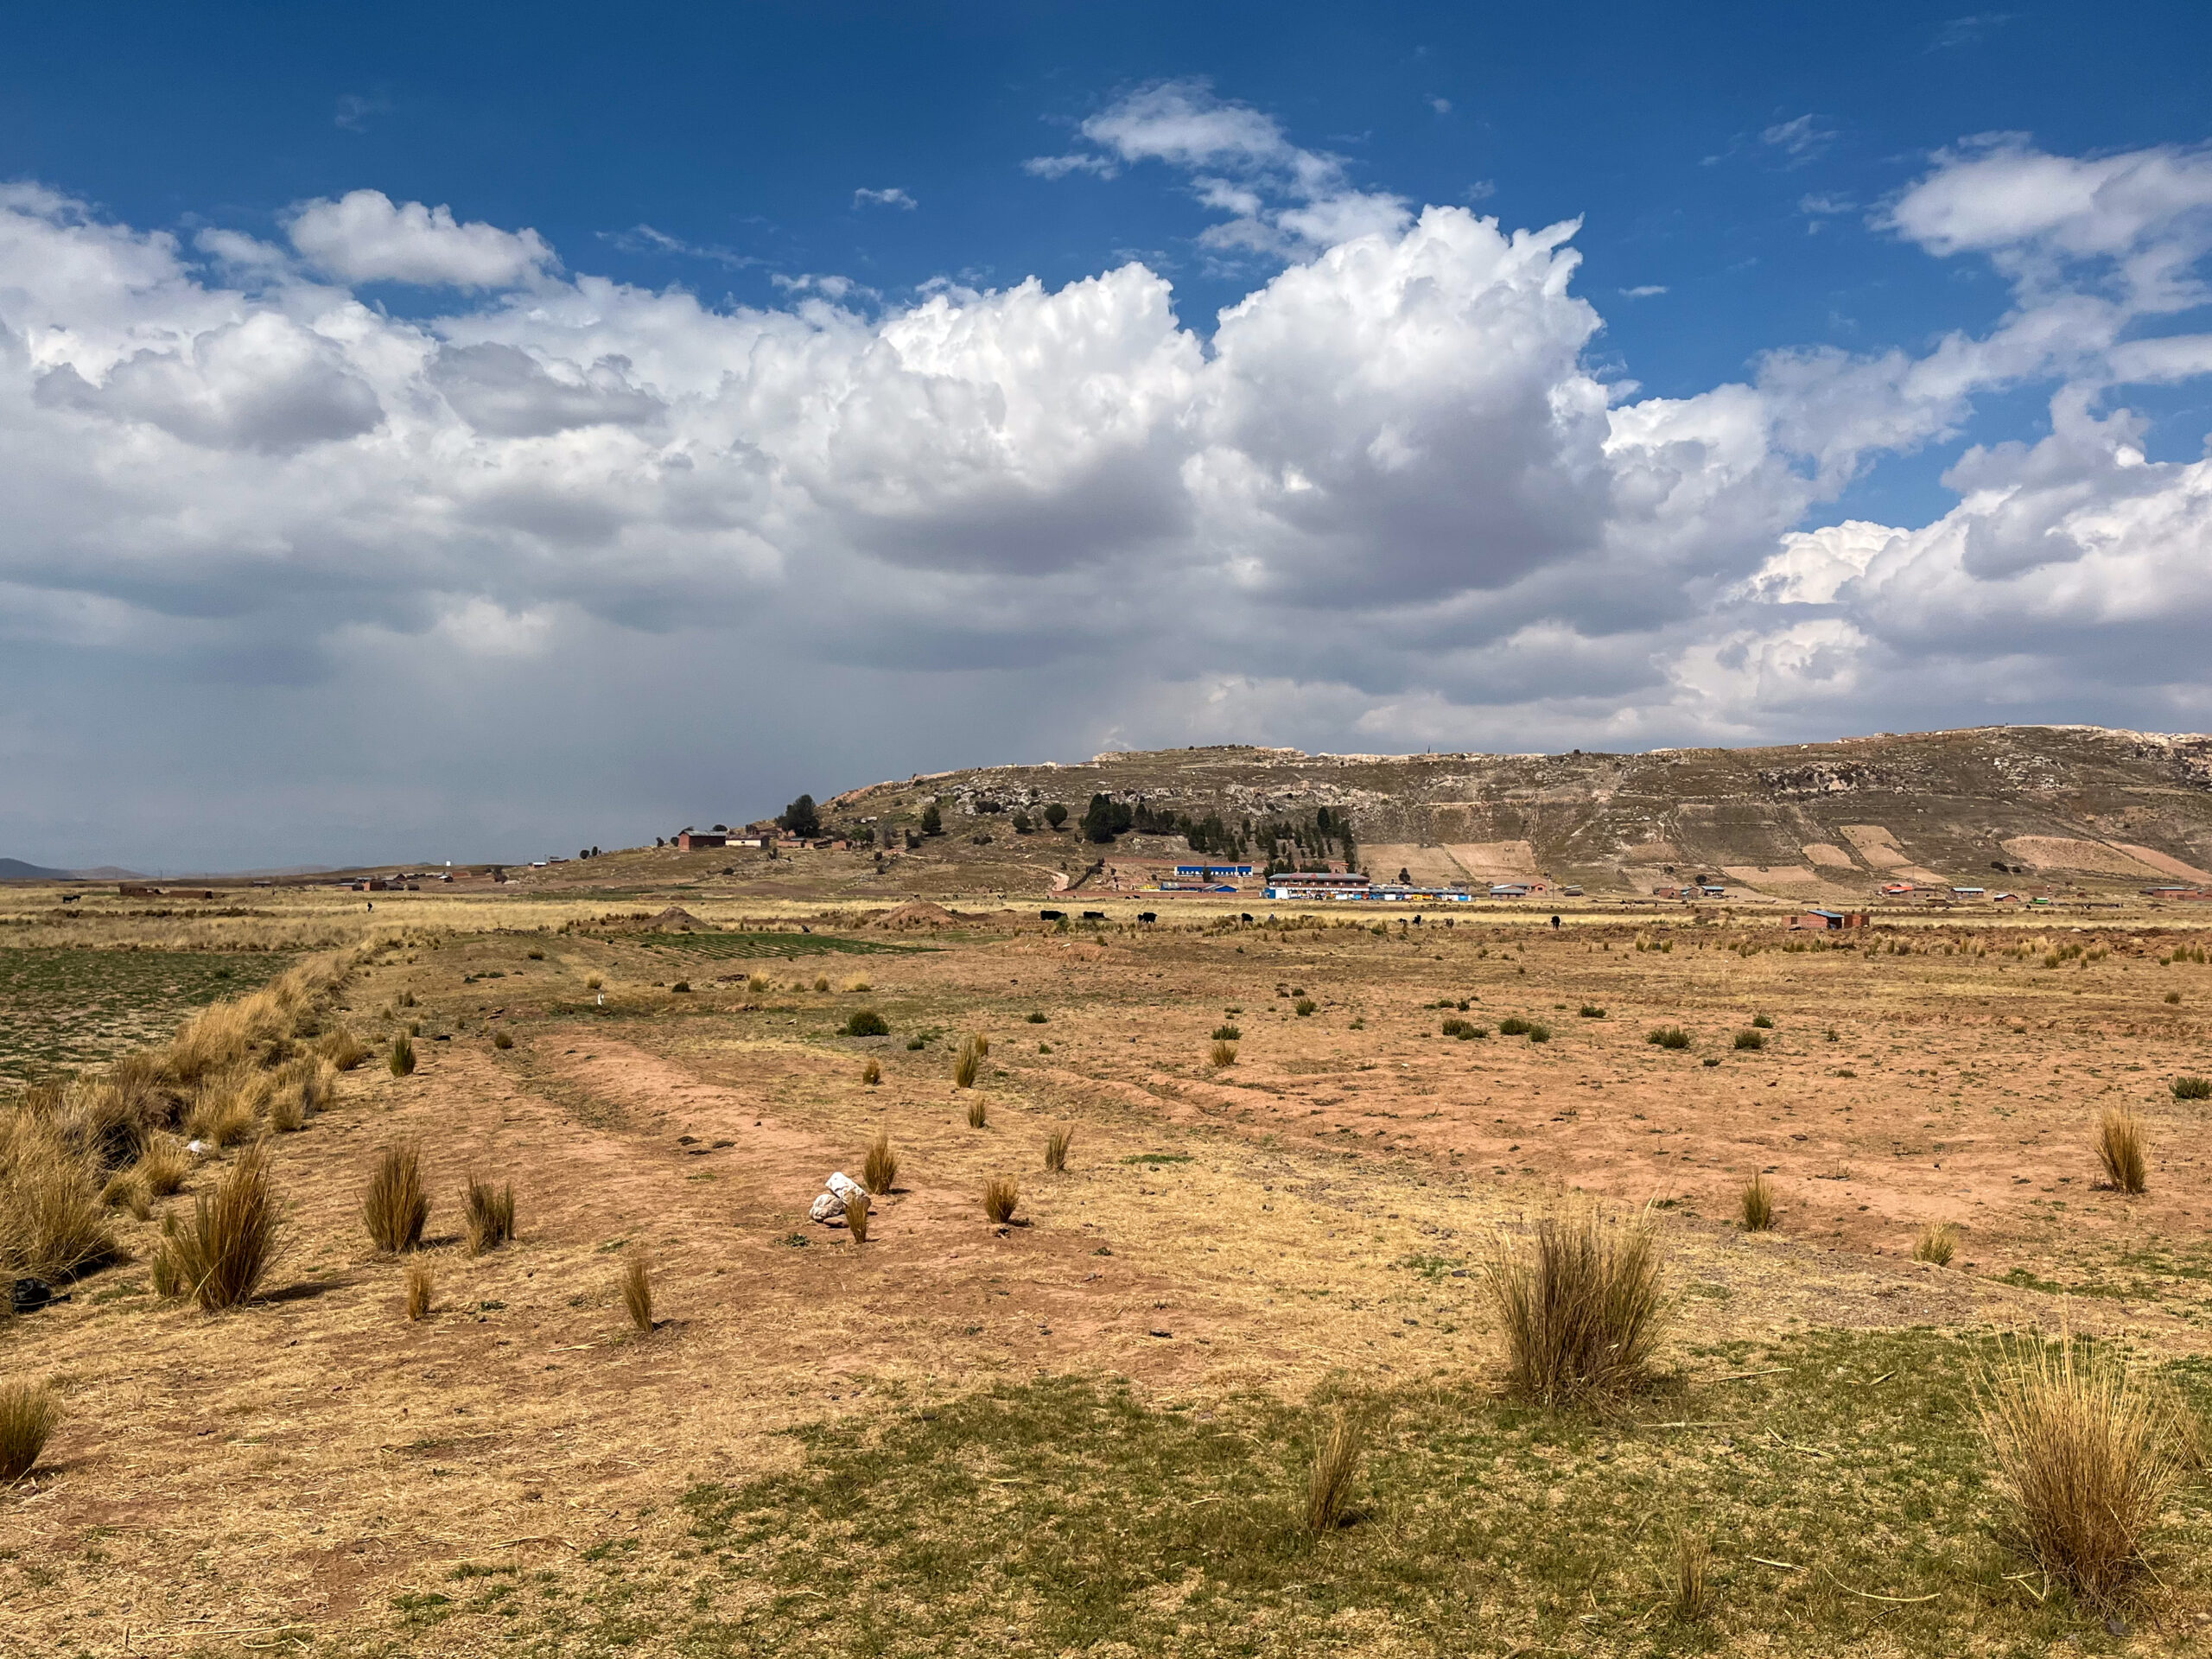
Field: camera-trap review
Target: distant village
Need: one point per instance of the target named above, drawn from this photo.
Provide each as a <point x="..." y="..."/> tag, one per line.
<point x="1315" y="859"/>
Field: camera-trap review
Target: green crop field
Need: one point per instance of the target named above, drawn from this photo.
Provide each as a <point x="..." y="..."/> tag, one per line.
<point x="62" y="1007"/>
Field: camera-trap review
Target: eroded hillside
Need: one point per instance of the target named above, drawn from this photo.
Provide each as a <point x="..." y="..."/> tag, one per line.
<point x="2032" y="805"/>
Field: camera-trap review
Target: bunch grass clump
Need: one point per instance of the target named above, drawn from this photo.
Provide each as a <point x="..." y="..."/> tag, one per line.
<point x="1693" y="1587"/>
<point x="52" y="1221"/>
<point x="342" y="1048"/>
<point x="966" y="1063"/>
<point x="2192" y="1088"/>
<point x="856" y="1214"/>
<point x="1583" y="1303"/>
<point x="1337" y="1451"/>
<point x="1057" y="1142"/>
<point x="2088" y="1459"/>
<point x="2122" y="1149"/>
<point x="1751" y="1040"/>
<point x="126" y="1190"/>
<point x="1221" y="1054"/>
<point x="1667" y="1037"/>
<point x="1756" y="1205"/>
<point x="879" y="1169"/>
<point x="395" y="1204"/>
<point x="219" y="1257"/>
<point x="490" y="1213"/>
<point x="419" y="1283"/>
<point x="638" y="1290"/>
<point x="867" y="1022"/>
<point x="872" y="1072"/>
<point x="402" y="1056"/>
<point x="1938" y="1243"/>
<point x="1001" y="1195"/>
<point x="164" y="1166"/>
<point x="28" y="1415"/>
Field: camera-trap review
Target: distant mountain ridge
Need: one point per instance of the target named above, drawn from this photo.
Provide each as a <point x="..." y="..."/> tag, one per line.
<point x="14" y="869"/>
<point x="2018" y="806"/>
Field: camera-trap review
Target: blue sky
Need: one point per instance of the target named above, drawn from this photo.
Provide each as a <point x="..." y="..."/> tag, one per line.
<point x="1736" y="173"/>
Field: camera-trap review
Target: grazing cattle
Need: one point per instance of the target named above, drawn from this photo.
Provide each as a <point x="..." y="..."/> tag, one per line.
<point x="1148" y="916"/>
<point x="1094" y="915"/>
<point x="1052" y="915"/>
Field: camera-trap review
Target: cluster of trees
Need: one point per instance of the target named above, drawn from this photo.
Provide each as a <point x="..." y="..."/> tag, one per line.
<point x="1286" y="843"/>
<point x="1292" y="844"/>
<point x="1325" y="835"/>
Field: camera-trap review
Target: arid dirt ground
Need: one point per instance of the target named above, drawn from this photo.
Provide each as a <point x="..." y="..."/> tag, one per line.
<point x="1229" y="1244"/>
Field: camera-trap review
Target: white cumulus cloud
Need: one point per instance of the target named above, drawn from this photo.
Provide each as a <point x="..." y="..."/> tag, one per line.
<point x="365" y="237"/>
<point x="1389" y="500"/>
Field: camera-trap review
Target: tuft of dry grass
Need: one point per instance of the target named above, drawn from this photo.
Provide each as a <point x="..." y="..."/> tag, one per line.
<point x="881" y="1168"/>
<point x="2087" y="1458"/>
<point x="822" y="981"/>
<point x="1583" y="1303"/>
<point x="164" y="1166"/>
<point x="638" y="1290"/>
<point x="418" y="1290"/>
<point x="126" y="1190"/>
<point x="1693" y="1587"/>
<point x="491" y="1214"/>
<point x="305" y="1086"/>
<point x="871" y="1073"/>
<point x="342" y="1049"/>
<point x="1755" y="1206"/>
<point x="1337" y="1451"/>
<point x="856" y="1211"/>
<point x="858" y="982"/>
<point x="394" y="1206"/>
<point x="1223" y="1053"/>
<point x="1000" y="1196"/>
<point x="978" y="1114"/>
<point x="1938" y="1243"/>
<point x="52" y="1221"/>
<point x="2121" y="1149"/>
<point x="402" y="1056"/>
<point x="502" y="1039"/>
<point x="967" y="1062"/>
<point x="222" y="1118"/>
<point x="219" y="1256"/>
<point x="28" y="1413"/>
<point x="757" y="984"/>
<point x="1057" y="1142"/>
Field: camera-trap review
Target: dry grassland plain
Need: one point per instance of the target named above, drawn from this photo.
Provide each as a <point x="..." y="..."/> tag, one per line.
<point x="1089" y="1430"/>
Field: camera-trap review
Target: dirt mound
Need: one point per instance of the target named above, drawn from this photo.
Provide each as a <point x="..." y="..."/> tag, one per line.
<point x="915" y="912"/>
<point x="676" y="919"/>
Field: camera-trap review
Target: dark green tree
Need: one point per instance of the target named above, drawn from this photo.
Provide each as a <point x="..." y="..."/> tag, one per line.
<point x="932" y="820"/>
<point x="801" y="818"/>
<point x="1021" y="824"/>
<point x="1106" y="819"/>
<point x="1056" y="815"/>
